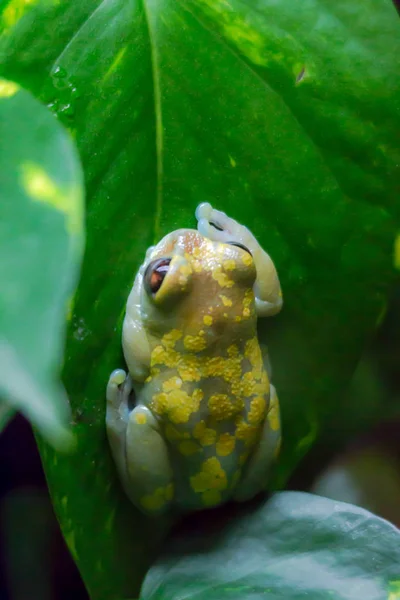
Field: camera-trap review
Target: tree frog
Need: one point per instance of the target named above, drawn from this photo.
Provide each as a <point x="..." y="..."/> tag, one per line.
<point x="204" y="425"/>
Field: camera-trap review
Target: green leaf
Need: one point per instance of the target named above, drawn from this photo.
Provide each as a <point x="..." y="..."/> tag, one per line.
<point x="283" y="114"/>
<point x="41" y="243"/>
<point x="294" y="546"/>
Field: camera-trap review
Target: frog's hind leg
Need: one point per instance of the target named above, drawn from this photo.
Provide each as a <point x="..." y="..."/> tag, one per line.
<point x="119" y="388"/>
<point x="257" y="470"/>
<point x="138" y="448"/>
<point x="217" y="226"/>
<point x="150" y="485"/>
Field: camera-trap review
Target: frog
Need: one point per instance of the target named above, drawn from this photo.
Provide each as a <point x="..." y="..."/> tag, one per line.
<point x="195" y="421"/>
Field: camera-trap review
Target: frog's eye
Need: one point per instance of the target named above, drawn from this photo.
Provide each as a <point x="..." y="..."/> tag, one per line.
<point x="240" y="246"/>
<point x="155" y="274"/>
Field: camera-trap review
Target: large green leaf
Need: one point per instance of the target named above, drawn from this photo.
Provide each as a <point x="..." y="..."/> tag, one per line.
<point x="295" y="546"/>
<point x="41" y="243"/>
<point x="283" y="114"/>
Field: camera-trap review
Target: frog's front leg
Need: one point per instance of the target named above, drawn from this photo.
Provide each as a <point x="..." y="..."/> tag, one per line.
<point x="257" y="469"/>
<point x="217" y="226"/>
<point x="139" y="450"/>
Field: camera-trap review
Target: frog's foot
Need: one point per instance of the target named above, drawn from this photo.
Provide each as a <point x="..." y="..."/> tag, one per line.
<point x="149" y="475"/>
<point x="218" y="227"/>
<point x="117" y="416"/>
<point x="119" y="388"/>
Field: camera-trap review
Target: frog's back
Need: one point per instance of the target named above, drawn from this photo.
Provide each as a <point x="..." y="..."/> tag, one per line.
<point x="211" y="410"/>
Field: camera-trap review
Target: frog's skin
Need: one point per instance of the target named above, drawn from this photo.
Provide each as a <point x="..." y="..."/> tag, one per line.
<point x="205" y="424"/>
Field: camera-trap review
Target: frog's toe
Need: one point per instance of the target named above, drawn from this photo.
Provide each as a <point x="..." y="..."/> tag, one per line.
<point x="203" y="211"/>
<point x="117" y="378"/>
<point x="215" y="222"/>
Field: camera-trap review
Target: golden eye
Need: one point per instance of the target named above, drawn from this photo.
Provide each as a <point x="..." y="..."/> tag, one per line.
<point x="155" y="274"/>
<point x="240" y="246"/>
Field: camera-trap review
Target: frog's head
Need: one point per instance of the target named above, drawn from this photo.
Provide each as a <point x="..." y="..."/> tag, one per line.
<point x="188" y="276"/>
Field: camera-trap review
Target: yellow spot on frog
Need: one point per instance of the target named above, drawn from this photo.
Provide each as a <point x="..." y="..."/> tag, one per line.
<point x="207" y="320"/>
<point x="252" y="352"/>
<point x="247" y="259"/>
<point x="225" y="301"/>
<point x="189" y="368"/>
<point x="257" y="412"/>
<point x="194" y="343"/>
<point x="222" y="407"/>
<point x="233" y="351"/>
<point x="248" y="297"/>
<point x="164" y="356"/>
<point x="245" y="432"/>
<point x="246" y="312"/>
<point x="8" y="88"/>
<point x="185" y="270"/>
<point x="225" y="444"/>
<point x="232" y="161"/>
<point x="396" y="258"/>
<point x="246" y="385"/>
<point x="169" y="339"/>
<point x="188" y="447"/>
<point x="197" y="266"/>
<point x="229" y="264"/>
<point x="214" y="367"/>
<point x="177" y="405"/>
<point x="196" y="253"/>
<point x="140" y="418"/>
<point x="222" y="278"/>
<point x="210" y="481"/>
<point x="154" y="502"/>
<point x="40" y="187"/>
<point x="205" y="435"/>
<point x="173" y="383"/>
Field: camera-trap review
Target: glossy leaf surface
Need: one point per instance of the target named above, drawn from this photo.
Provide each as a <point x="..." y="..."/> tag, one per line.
<point x="41" y="243"/>
<point x="285" y="115"/>
<point x="294" y="546"/>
